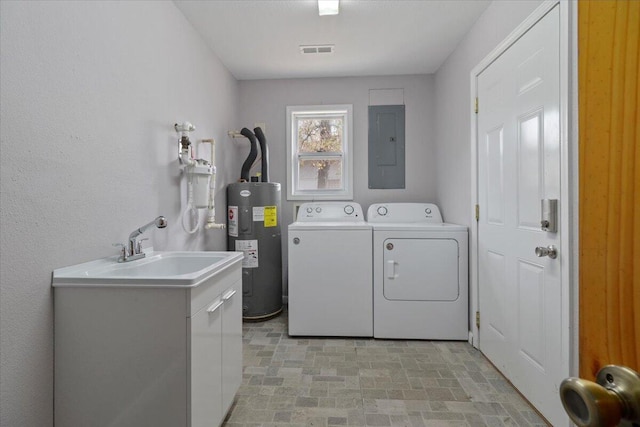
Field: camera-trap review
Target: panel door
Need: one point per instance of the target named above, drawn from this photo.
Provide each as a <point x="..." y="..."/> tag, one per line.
<point x="231" y="344"/>
<point x="608" y="67"/>
<point x="518" y="166"/>
<point x="206" y="365"/>
<point x="330" y="283"/>
<point x="387" y="146"/>
<point x="421" y="270"/>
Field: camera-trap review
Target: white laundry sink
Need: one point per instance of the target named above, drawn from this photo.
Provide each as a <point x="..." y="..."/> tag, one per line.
<point x="157" y="269"/>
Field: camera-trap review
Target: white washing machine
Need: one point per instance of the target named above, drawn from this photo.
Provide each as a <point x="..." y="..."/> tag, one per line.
<point x="420" y="270"/>
<point x="330" y="271"/>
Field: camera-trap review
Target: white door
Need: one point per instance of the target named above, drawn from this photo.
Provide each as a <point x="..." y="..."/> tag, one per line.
<point x="518" y="166"/>
<point x="206" y="365"/>
<point x="231" y="344"/>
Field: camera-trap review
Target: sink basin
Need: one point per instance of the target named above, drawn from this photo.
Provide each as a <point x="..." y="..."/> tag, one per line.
<point x="157" y="269"/>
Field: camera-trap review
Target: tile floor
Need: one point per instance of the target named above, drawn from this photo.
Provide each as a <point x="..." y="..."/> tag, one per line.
<point x="369" y="382"/>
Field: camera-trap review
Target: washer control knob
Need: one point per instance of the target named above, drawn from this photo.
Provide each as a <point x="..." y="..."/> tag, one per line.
<point x="382" y="211"/>
<point x="318" y="209"/>
<point x="428" y="211"/>
<point x="296" y="240"/>
<point x="389" y="246"/>
<point x="309" y="210"/>
<point x="349" y="209"/>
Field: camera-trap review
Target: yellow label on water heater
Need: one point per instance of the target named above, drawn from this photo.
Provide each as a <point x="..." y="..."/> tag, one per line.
<point x="270" y="216"/>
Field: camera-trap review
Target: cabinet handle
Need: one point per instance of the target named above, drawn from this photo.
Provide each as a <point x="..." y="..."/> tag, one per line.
<point x="213" y="307"/>
<point x="391" y="269"/>
<point x="228" y="295"/>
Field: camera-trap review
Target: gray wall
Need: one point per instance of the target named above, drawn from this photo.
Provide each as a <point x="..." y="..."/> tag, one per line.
<point x="265" y="101"/>
<point x="90" y="91"/>
<point x="452" y="82"/>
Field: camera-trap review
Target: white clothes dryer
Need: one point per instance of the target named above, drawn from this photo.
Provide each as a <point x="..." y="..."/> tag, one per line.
<point x="330" y="271"/>
<point x="420" y="285"/>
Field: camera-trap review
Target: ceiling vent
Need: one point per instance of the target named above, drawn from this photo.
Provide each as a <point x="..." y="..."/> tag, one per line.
<point x="321" y="48"/>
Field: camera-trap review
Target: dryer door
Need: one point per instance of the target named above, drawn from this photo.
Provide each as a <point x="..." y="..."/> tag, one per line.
<point x="421" y="269"/>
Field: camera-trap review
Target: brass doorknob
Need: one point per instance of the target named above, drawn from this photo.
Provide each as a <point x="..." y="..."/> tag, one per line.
<point x="614" y="396"/>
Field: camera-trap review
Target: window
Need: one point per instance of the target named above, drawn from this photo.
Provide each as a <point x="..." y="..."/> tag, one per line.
<point x="319" y="146"/>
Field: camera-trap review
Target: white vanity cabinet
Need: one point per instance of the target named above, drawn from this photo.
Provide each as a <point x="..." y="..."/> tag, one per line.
<point x="216" y="341"/>
<point x="232" y="348"/>
<point x="148" y="355"/>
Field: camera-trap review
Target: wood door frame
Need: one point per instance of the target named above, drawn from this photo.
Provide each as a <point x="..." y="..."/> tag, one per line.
<point x="568" y="176"/>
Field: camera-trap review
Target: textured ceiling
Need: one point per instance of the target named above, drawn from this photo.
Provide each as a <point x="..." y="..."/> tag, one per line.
<point x="260" y="39"/>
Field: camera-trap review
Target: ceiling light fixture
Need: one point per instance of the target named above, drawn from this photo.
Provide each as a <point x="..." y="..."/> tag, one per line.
<point x="328" y="7"/>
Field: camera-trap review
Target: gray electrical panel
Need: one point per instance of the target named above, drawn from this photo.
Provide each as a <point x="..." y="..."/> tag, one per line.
<point x="386" y="146"/>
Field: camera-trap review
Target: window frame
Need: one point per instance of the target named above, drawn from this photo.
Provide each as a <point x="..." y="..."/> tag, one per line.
<point x="293" y="155"/>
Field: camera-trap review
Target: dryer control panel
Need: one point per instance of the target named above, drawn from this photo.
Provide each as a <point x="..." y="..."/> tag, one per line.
<point x="330" y="211"/>
<point x="404" y="213"/>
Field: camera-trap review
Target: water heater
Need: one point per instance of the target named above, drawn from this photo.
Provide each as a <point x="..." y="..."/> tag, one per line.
<point x="253" y="224"/>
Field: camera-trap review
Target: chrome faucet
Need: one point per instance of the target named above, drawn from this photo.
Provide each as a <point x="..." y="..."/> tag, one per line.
<point x="133" y="249"/>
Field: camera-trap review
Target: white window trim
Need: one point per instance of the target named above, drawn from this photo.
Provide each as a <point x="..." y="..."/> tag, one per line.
<point x="347" y="157"/>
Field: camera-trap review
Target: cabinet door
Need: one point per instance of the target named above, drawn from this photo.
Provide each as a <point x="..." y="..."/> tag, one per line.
<point x="231" y="344"/>
<point x="206" y="366"/>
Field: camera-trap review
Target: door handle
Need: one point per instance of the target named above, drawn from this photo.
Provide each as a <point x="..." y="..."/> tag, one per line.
<point x="391" y="269"/>
<point x="614" y="396"/>
<point x="228" y="295"/>
<point x="213" y="307"/>
<point x="549" y="251"/>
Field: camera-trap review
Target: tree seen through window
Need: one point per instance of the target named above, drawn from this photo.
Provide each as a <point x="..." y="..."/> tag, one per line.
<point x="320" y="136"/>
